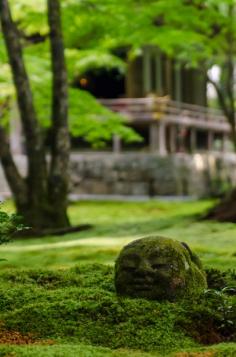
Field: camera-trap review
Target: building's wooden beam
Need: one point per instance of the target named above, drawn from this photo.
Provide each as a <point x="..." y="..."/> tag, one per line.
<point x="210" y="140"/>
<point x="172" y="138"/>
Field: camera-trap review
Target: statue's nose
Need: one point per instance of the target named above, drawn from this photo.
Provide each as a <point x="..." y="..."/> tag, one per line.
<point x="144" y="267"/>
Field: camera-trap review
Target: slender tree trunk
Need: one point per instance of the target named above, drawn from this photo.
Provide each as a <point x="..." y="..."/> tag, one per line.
<point x="60" y="146"/>
<point x="227" y="106"/>
<point x="34" y="203"/>
<point x="16" y="182"/>
<point x="34" y="145"/>
<point x="41" y="198"/>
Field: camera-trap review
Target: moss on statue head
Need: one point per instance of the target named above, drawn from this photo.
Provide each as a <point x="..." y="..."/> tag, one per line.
<point x="158" y="268"/>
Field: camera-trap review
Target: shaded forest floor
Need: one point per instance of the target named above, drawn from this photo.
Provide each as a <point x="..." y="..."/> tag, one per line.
<point x="57" y="296"/>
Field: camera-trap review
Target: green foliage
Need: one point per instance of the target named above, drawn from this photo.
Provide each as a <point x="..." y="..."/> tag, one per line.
<point x="212" y="318"/>
<point x="195" y="32"/>
<point x="9" y="224"/>
<point x="192" y="31"/>
<point x="87" y="117"/>
<point x="219" y="280"/>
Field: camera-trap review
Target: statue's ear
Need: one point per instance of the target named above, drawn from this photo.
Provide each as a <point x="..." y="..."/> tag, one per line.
<point x="185" y="245"/>
<point x="193" y="256"/>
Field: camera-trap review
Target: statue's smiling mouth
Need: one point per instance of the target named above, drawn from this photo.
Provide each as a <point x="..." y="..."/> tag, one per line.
<point x="142" y="284"/>
<point x="144" y="287"/>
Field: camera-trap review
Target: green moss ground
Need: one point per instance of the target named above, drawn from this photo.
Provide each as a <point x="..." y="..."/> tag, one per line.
<point x="80" y="305"/>
<point x="73" y="350"/>
<point x="117" y="223"/>
<point x="49" y="287"/>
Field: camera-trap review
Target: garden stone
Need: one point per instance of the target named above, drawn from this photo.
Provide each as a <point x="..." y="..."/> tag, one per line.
<point x="158" y="268"/>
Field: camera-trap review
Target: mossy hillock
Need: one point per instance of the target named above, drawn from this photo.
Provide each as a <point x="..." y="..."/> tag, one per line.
<point x="80" y="305"/>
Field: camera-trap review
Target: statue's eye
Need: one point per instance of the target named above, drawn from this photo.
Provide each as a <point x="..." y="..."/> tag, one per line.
<point x="156" y="266"/>
<point x="161" y="266"/>
<point x="130" y="269"/>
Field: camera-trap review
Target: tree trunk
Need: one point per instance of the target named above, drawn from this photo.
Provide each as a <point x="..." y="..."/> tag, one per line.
<point x="225" y="210"/>
<point x="34" y="145"/>
<point x="41" y="198"/>
<point x="60" y="146"/>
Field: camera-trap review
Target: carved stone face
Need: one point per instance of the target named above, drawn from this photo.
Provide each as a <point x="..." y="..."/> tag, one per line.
<point x="157" y="268"/>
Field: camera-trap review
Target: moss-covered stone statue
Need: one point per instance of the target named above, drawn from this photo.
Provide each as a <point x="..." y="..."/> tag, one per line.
<point x="158" y="268"/>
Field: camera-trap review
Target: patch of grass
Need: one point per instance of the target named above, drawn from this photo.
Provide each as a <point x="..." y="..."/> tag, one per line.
<point x="219" y="350"/>
<point x="73" y="350"/>
<point x="67" y="350"/>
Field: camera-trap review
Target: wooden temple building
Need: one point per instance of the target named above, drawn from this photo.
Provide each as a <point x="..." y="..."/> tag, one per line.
<point x="165" y="103"/>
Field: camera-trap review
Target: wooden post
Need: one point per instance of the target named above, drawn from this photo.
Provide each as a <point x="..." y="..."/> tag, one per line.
<point x="223" y="142"/>
<point x="162" y="138"/>
<point x="158" y="79"/>
<point x="168" y="77"/>
<point x="210" y="140"/>
<point x="153" y="137"/>
<point x="193" y="140"/>
<point x="157" y="135"/>
<point x="116" y="144"/>
<point x="173" y="134"/>
<point x="147" y="71"/>
<point x="178" y="83"/>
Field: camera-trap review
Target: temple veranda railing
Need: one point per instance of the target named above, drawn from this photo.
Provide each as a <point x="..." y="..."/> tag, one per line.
<point x="167" y="119"/>
<point x="172" y="126"/>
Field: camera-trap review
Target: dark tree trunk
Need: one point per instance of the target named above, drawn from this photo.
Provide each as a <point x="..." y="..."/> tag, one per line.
<point x="41" y="198"/>
<point x="225" y="210"/>
<point x="34" y="148"/>
<point x="60" y="146"/>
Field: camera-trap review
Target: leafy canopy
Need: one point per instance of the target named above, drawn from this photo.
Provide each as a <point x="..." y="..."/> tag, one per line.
<point x="193" y="31"/>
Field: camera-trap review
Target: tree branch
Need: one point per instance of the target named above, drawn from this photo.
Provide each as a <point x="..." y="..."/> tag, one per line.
<point x="221" y="96"/>
<point x="14" y="179"/>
